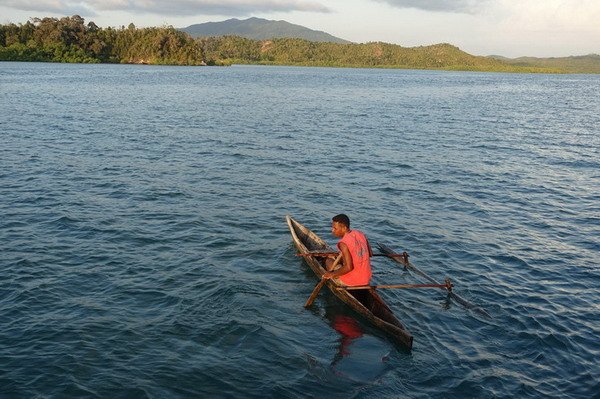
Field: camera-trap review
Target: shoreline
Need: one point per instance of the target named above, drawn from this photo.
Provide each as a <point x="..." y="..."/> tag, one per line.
<point x="457" y="68"/>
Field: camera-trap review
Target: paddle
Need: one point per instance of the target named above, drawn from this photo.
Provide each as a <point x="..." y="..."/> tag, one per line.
<point x="320" y="284"/>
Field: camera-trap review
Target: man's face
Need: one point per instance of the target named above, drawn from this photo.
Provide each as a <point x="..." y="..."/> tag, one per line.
<point x="338" y="229"/>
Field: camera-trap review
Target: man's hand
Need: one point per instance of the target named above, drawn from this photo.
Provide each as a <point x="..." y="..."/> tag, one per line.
<point x="327" y="276"/>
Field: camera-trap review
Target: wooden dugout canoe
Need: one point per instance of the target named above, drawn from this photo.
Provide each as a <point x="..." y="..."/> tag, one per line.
<point x="367" y="303"/>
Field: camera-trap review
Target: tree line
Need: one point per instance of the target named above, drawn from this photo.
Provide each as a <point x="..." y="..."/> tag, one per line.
<point x="70" y="39"/>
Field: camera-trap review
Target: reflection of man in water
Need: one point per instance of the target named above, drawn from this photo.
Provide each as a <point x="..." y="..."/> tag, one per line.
<point x="364" y="362"/>
<point x="349" y="329"/>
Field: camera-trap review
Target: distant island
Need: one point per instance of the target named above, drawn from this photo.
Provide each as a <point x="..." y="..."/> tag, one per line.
<point x="575" y="64"/>
<point x="259" y="29"/>
<point x="70" y="39"/>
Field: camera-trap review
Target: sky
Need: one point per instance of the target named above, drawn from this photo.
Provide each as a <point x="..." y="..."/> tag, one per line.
<point x="511" y="28"/>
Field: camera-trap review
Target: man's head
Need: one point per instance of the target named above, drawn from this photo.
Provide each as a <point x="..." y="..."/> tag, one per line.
<point x="340" y="225"/>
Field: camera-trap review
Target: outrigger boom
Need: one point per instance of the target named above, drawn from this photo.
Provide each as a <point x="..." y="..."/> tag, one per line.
<point x="447" y="286"/>
<point x="402" y="258"/>
<point x="403" y="255"/>
<point x="408" y="265"/>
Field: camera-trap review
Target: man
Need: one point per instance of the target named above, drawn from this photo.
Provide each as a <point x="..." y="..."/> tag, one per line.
<point x="356" y="253"/>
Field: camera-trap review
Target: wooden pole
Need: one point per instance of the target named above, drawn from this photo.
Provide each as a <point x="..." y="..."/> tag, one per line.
<point x="368" y="287"/>
<point x="326" y="254"/>
<point x="320" y="284"/>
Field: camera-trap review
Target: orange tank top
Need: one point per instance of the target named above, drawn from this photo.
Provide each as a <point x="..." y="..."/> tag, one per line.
<point x="359" y="250"/>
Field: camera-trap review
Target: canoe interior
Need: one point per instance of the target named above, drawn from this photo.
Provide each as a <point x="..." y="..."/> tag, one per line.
<point x="368" y="303"/>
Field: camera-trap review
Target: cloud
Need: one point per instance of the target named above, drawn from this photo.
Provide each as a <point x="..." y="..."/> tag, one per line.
<point x="51" y="6"/>
<point x="172" y="8"/>
<point x="550" y="15"/>
<point x="457" y="6"/>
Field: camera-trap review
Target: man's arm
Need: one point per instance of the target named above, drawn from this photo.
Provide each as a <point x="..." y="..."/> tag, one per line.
<point x="347" y="266"/>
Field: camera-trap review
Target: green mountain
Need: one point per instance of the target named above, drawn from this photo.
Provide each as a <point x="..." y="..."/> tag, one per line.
<point x="575" y="64"/>
<point x="259" y="29"/>
<point x="227" y="50"/>
<point x="70" y="39"/>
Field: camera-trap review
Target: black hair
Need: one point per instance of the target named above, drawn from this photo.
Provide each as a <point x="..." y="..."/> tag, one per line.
<point x="343" y="219"/>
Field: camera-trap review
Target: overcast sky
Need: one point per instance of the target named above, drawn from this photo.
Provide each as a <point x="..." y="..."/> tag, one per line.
<point x="513" y="28"/>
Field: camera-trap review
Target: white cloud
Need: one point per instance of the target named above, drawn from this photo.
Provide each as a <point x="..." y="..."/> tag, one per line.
<point x="542" y="28"/>
<point x="50" y="6"/>
<point x="173" y="7"/>
<point x="508" y="27"/>
<point x="547" y="15"/>
<point x="458" y="6"/>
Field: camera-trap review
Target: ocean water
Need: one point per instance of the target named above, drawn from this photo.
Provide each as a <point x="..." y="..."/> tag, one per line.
<point x="144" y="250"/>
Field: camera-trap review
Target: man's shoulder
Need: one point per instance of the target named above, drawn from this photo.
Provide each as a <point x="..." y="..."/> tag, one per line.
<point x="359" y="233"/>
<point x="358" y="236"/>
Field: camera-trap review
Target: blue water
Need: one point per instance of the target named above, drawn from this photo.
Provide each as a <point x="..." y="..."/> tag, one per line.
<point x="144" y="251"/>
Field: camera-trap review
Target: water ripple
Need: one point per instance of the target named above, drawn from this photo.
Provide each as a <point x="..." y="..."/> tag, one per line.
<point x="145" y="254"/>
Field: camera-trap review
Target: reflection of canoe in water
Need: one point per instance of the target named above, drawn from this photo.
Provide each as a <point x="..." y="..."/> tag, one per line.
<point x="368" y="303"/>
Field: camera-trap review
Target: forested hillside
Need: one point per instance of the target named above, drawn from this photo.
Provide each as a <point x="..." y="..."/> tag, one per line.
<point x="70" y="39"/>
<point x="237" y="50"/>
<point x="576" y="64"/>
